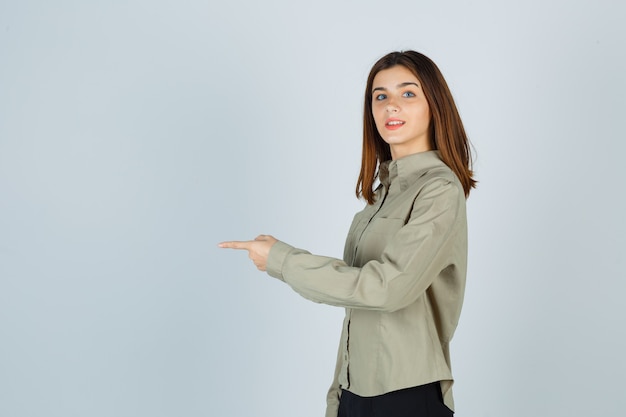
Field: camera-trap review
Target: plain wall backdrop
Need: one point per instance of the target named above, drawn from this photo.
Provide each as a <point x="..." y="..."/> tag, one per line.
<point x="136" y="135"/>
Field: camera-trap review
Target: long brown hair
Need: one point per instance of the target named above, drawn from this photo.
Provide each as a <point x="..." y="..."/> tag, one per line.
<point x="446" y="131"/>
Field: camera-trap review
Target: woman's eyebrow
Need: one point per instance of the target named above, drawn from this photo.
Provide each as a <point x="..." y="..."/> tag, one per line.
<point x="398" y="86"/>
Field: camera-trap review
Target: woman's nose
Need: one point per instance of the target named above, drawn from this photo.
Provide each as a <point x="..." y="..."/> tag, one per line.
<point x="391" y="108"/>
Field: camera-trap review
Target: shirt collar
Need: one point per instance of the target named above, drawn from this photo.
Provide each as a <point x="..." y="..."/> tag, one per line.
<point x="407" y="169"/>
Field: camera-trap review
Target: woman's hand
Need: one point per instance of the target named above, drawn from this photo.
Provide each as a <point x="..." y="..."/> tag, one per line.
<point x="258" y="249"/>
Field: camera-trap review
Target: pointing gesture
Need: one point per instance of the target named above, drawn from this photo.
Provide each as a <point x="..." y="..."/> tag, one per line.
<point x="258" y="249"/>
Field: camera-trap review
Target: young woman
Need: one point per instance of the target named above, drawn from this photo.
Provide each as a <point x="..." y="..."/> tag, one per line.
<point x="402" y="277"/>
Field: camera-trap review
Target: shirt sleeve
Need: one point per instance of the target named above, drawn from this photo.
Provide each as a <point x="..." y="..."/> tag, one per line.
<point x="409" y="263"/>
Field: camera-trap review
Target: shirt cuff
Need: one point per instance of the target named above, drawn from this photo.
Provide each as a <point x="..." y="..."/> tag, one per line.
<point x="276" y="259"/>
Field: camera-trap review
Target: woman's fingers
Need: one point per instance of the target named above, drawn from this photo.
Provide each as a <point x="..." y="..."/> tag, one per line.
<point x="236" y="244"/>
<point x="245" y="244"/>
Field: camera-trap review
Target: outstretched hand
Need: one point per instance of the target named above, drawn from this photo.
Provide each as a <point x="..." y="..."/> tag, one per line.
<point x="258" y="249"/>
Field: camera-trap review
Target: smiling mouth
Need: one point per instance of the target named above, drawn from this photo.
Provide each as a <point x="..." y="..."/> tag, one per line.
<point x="394" y="124"/>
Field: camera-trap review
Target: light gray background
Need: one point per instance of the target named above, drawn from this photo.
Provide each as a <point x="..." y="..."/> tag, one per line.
<point x="135" y="135"/>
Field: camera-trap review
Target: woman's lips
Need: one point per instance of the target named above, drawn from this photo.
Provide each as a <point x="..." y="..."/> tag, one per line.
<point x="393" y="124"/>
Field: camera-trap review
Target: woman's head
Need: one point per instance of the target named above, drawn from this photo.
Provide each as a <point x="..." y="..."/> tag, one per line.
<point x="445" y="131"/>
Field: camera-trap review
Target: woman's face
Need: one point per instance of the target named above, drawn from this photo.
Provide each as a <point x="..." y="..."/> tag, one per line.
<point x="400" y="111"/>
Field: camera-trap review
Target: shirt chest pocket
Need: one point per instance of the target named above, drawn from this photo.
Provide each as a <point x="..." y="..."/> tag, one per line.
<point x="376" y="237"/>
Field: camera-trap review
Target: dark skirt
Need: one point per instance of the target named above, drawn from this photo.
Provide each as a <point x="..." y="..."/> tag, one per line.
<point x="422" y="401"/>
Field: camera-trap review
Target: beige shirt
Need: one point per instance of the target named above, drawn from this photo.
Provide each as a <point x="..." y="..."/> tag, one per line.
<point x="401" y="281"/>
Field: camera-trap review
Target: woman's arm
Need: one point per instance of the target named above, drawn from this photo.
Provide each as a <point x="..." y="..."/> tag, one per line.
<point x="409" y="263"/>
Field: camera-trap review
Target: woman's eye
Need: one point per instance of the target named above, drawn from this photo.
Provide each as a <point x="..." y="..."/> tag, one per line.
<point x="408" y="94"/>
<point x="380" y="97"/>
